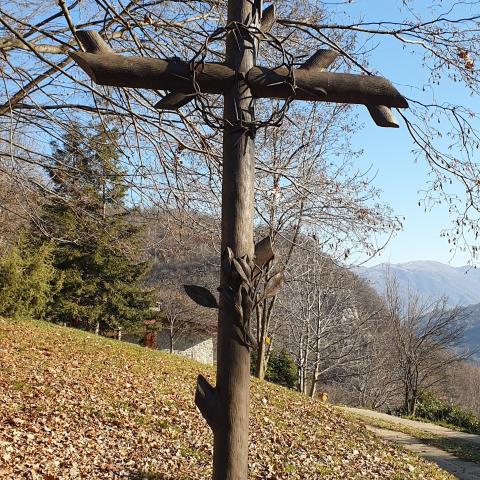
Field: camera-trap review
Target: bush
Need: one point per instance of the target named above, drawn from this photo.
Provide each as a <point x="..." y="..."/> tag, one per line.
<point x="281" y="368"/>
<point x="438" y="411"/>
<point x="27" y="281"/>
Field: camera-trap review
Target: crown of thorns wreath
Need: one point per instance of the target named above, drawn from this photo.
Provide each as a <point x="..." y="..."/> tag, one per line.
<point x="250" y="36"/>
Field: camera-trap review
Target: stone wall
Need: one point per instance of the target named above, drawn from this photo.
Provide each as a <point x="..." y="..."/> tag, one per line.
<point x="197" y="346"/>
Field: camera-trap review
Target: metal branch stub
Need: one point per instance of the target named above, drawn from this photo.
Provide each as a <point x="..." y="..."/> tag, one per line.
<point x="320" y="60"/>
<point x="174" y="101"/>
<point x="269" y="17"/>
<point x="206" y="399"/>
<point x="382" y="116"/>
<point x="92" y="42"/>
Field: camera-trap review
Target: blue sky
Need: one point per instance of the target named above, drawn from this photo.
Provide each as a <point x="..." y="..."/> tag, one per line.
<point x="388" y="151"/>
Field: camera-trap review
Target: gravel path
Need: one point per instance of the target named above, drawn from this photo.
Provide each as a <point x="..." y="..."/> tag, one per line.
<point x="426" y="427"/>
<point x="462" y="469"/>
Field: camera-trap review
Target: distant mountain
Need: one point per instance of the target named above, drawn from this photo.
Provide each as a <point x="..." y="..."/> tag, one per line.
<point x="431" y="279"/>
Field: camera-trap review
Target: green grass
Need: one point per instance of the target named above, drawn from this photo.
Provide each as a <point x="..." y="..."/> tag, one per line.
<point x="74" y="405"/>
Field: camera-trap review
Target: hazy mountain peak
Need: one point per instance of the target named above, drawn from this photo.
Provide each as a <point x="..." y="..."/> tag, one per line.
<point x="461" y="285"/>
<point x="425" y="264"/>
<point x="429" y="278"/>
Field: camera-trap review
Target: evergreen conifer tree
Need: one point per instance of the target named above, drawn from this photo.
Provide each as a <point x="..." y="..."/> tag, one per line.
<point x="28" y="280"/>
<point x="91" y="227"/>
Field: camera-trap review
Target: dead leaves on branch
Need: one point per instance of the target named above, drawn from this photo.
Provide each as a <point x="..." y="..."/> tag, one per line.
<point x="465" y="56"/>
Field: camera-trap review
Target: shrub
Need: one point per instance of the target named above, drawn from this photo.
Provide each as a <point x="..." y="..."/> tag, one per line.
<point x="281" y="368"/>
<point x="27" y="281"/>
<point x="432" y="408"/>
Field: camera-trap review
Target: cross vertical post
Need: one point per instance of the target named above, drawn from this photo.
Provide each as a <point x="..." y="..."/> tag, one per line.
<point x="230" y="460"/>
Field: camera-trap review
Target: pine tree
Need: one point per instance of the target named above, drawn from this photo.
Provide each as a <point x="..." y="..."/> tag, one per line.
<point x="90" y="225"/>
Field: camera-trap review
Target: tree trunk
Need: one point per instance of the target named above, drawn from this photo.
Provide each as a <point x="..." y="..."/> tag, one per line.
<point x="316" y="368"/>
<point x="304" y="357"/>
<point x="313" y="386"/>
<point x="305" y="380"/>
<point x="362" y="398"/>
<point x="263" y="349"/>
<point x="412" y="403"/>
<point x="300" y="366"/>
<point x="230" y="451"/>
<point x="413" y="407"/>
<point x="260" y="367"/>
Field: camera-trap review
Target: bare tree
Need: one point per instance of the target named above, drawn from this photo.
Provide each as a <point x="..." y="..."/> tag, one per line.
<point x="373" y="383"/>
<point x="326" y="326"/>
<point x="179" y="317"/>
<point x="301" y="196"/>
<point x="426" y="336"/>
<point x="444" y="40"/>
<point x="19" y="199"/>
<point x="462" y="386"/>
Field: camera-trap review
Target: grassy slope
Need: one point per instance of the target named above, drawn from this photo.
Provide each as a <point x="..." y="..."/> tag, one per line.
<point x="73" y="405"/>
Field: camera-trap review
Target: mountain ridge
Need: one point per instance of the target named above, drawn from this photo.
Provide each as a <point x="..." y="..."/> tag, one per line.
<point x="432" y="279"/>
<point x="461" y="286"/>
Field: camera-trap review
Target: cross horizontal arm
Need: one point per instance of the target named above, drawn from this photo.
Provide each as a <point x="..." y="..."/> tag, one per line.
<point x="176" y="75"/>
<point x="151" y="73"/>
<point x="316" y="85"/>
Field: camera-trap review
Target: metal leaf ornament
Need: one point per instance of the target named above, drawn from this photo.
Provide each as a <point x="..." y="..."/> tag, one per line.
<point x="264" y="252"/>
<point x="273" y="285"/>
<point x="202" y="296"/>
<point x="206" y="399"/>
<point x="227" y="257"/>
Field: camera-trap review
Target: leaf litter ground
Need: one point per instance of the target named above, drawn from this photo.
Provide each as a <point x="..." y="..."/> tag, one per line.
<point x="76" y="406"/>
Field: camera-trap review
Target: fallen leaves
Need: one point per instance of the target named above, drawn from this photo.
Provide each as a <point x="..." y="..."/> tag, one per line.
<point x="96" y="409"/>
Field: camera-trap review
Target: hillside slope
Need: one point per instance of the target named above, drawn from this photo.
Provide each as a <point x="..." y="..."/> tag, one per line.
<point x="73" y="405"/>
<point x="472" y="336"/>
